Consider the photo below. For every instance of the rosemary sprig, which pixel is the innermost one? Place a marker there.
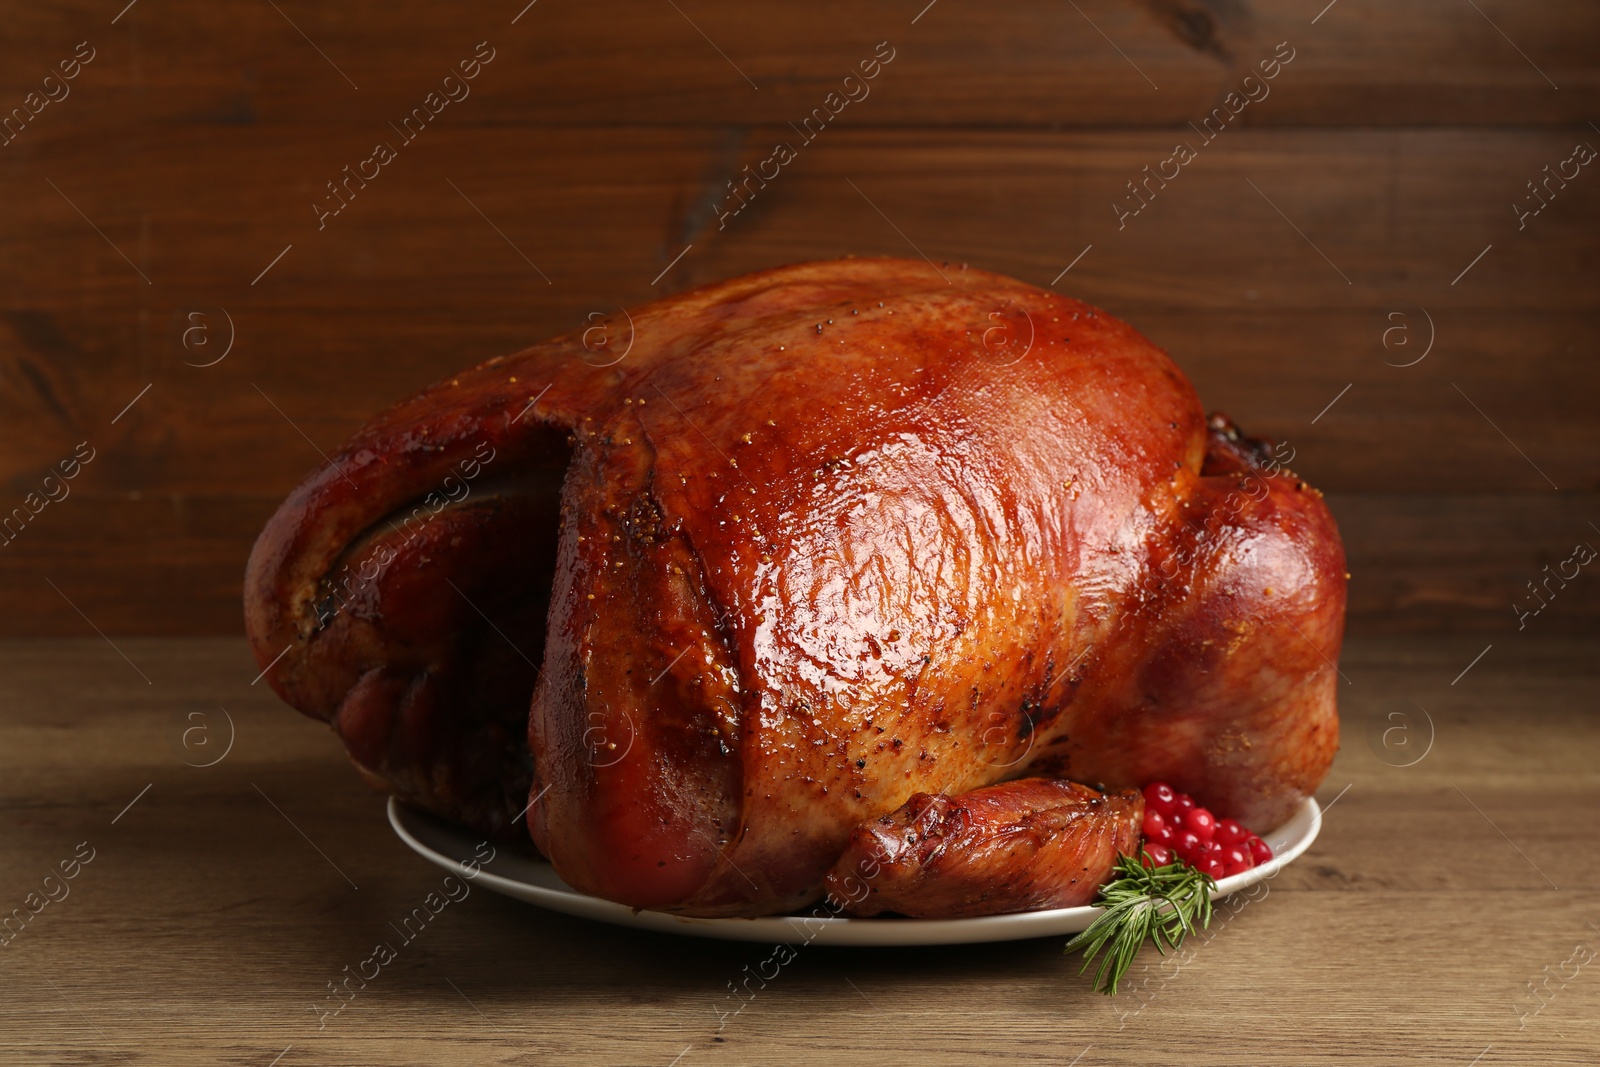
(1163, 904)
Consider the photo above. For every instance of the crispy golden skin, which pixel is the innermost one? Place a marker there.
(790, 549)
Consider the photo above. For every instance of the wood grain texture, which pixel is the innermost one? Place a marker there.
(1099, 62)
(208, 924)
(486, 222)
(390, 297)
(598, 145)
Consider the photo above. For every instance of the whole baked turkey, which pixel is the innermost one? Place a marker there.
(705, 587)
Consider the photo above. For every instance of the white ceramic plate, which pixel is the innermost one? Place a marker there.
(535, 881)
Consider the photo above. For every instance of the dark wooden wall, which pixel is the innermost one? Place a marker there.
(188, 152)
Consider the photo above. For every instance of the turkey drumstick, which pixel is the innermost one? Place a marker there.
(1019, 846)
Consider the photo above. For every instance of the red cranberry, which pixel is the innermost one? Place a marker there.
(1259, 851)
(1156, 855)
(1154, 823)
(1212, 866)
(1159, 795)
(1184, 803)
(1187, 846)
(1202, 822)
(1236, 859)
(1165, 836)
(1231, 833)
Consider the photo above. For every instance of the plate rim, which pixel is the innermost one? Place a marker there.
(826, 930)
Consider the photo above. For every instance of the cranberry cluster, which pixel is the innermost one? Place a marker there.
(1175, 825)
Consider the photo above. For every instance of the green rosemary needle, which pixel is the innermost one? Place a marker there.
(1163, 904)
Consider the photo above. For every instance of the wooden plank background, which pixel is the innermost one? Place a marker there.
(1345, 204)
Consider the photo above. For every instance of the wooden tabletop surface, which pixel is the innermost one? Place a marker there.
(217, 903)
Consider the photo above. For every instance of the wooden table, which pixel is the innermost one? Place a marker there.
(220, 901)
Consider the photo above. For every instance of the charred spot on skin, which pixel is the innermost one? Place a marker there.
(326, 610)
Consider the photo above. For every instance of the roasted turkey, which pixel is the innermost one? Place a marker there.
(701, 591)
